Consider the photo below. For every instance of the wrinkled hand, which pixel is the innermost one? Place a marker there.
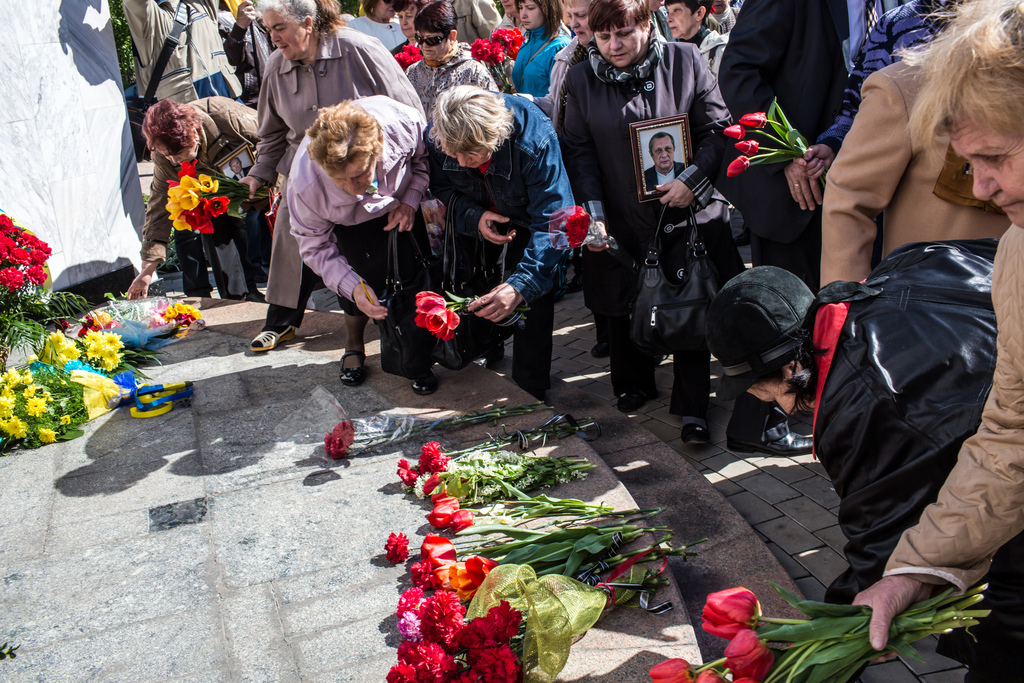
(370, 308)
(402, 217)
(487, 231)
(246, 14)
(140, 285)
(498, 303)
(888, 598)
(805, 190)
(817, 160)
(253, 185)
(678, 195)
(602, 245)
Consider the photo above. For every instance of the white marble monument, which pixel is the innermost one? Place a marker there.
(67, 168)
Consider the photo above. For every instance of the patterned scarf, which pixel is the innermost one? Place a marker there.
(633, 75)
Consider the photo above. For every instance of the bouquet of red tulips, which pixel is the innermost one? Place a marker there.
(440, 316)
(830, 645)
(775, 128)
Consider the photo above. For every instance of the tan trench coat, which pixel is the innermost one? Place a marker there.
(226, 124)
(348, 65)
(981, 505)
(200, 51)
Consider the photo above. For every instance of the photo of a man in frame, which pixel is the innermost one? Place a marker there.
(662, 147)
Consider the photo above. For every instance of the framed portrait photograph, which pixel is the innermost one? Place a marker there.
(236, 164)
(661, 150)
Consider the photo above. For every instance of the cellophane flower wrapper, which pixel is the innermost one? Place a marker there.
(140, 323)
(571, 228)
(434, 214)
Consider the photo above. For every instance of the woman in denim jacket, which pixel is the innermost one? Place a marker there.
(495, 162)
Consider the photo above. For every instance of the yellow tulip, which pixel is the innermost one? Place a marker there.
(189, 200)
(208, 184)
(189, 184)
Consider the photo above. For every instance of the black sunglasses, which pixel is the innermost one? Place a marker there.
(429, 41)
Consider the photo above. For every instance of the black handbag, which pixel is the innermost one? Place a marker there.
(404, 346)
(466, 274)
(669, 317)
(137, 106)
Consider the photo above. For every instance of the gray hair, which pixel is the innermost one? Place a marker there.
(325, 13)
(468, 118)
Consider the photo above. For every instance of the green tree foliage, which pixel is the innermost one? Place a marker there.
(123, 43)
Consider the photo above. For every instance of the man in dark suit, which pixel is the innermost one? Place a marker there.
(792, 51)
(662, 147)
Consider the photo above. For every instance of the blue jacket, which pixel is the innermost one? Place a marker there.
(526, 182)
(531, 74)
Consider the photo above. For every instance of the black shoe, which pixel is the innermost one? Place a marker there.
(631, 400)
(495, 355)
(601, 350)
(694, 433)
(427, 384)
(353, 377)
(790, 444)
(255, 296)
(742, 239)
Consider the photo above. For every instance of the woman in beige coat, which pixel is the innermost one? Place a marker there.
(974, 92)
(318, 63)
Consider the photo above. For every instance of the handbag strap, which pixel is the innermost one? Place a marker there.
(393, 280)
(696, 240)
(171, 43)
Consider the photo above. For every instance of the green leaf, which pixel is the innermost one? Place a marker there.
(817, 629)
(786, 595)
(841, 669)
(70, 434)
(815, 609)
(900, 646)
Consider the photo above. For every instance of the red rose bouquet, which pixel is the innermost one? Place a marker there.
(497, 52)
(830, 645)
(409, 55)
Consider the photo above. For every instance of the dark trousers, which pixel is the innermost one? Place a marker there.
(257, 233)
(195, 278)
(601, 328)
(632, 370)
(280, 317)
(532, 344)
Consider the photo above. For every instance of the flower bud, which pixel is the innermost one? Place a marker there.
(748, 147)
(748, 656)
(755, 120)
(739, 165)
(735, 131)
(728, 612)
(672, 671)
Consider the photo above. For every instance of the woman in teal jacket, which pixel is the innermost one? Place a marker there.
(545, 35)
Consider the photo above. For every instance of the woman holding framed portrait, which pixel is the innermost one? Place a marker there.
(628, 102)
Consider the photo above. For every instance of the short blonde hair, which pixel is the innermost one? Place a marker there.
(467, 118)
(973, 71)
(345, 134)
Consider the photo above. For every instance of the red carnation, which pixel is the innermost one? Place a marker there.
(427, 662)
(6, 224)
(755, 120)
(40, 255)
(12, 279)
(423, 576)
(442, 618)
(739, 165)
(18, 257)
(397, 548)
(432, 458)
(36, 275)
(577, 227)
(495, 664)
(736, 131)
(410, 601)
(409, 55)
(337, 442)
(506, 620)
(406, 473)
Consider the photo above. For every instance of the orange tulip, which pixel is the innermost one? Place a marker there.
(466, 577)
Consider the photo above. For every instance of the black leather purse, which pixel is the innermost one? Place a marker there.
(669, 317)
(404, 346)
(467, 274)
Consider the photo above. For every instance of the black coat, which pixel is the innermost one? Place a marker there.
(597, 152)
(791, 50)
(910, 375)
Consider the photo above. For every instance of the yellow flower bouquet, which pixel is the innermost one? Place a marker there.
(39, 406)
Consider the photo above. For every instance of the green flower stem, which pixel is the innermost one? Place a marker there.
(711, 665)
(776, 620)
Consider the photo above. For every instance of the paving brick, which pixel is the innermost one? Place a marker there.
(785, 470)
(661, 430)
(833, 536)
(753, 509)
(806, 512)
(811, 588)
(951, 676)
(792, 567)
(890, 672)
(789, 535)
(824, 563)
(729, 466)
(724, 486)
(819, 490)
(933, 661)
(817, 468)
(769, 488)
(699, 451)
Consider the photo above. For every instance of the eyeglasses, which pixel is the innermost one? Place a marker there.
(429, 41)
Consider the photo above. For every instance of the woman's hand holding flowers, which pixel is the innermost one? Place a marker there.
(401, 217)
(603, 244)
(498, 303)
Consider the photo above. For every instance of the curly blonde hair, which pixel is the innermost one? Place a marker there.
(467, 118)
(973, 71)
(345, 134)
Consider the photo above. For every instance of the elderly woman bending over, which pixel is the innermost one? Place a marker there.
(361, 172)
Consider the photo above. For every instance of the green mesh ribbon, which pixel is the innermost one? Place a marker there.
(556, 609)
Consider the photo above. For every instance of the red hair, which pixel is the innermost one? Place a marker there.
(171, 125)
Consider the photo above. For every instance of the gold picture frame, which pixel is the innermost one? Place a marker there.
(652, 137)
(243, 158)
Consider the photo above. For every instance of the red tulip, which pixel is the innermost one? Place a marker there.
(444, 508)
(747, 655)
(755, 120)
(432, 483)
(712, 676)
(739, 165)
(728, 612)
(461, 519)
(735, 131)
(748, 147)
(437, 550)
(672, 671)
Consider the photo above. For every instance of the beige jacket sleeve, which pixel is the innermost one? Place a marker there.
(863, 179)
(981, 505)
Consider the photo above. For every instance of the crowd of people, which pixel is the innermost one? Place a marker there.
(912, 111)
